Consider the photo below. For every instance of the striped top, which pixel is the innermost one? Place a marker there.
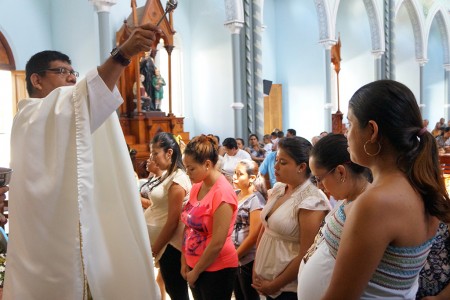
(399, 267)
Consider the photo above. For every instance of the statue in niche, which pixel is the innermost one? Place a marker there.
(146, 101)
(158, 83)
(147, 68)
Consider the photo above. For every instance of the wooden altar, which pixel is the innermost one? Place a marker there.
(140, 126)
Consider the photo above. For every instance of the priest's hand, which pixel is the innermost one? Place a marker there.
(140, 40)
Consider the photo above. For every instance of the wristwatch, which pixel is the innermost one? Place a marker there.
(118, 56)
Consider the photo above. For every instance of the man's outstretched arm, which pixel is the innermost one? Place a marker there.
(140, 40)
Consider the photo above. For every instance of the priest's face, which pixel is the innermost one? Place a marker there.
(58, 74)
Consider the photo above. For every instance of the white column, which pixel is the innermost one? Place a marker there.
(378, 62)
(235, 29)
(422, 102)
(327, 103)
(103, 8)
(447, 91)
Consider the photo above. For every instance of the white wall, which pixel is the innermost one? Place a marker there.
(26, 27)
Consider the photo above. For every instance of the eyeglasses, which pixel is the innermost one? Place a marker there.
(318, 179)
(61, 71)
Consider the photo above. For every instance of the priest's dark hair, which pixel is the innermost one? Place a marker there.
(40, 62)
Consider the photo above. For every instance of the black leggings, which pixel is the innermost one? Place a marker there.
(285, 296)
(216, 285)
(170, 267)
(242, 286)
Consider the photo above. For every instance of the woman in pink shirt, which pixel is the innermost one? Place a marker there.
(209, 261)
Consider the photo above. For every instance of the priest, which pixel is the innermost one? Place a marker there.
(76, 227)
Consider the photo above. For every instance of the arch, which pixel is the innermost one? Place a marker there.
(327, 22)
(6, 57)
(323, 16)
(417, 22)
(376, 26)
(234, 11)
(438, 12)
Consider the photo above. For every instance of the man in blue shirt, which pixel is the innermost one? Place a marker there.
(267, 169)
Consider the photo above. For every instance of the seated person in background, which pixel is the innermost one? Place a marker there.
(443, 140)
(437, 130)
(274, 139)
(240, 142)
(257, 152)
(221, 151)
(267, 169)
(315, 139)
(267, 143)
(291, 132)
(233, 155)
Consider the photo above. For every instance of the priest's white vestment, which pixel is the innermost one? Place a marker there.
(75, 215)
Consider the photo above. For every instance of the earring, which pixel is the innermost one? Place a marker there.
(372, 154)
(342, 179)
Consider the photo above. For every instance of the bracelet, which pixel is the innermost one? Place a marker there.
(117, 55)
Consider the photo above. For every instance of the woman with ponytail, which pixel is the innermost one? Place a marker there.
(163, 217)
(388, 232)
(209, 261)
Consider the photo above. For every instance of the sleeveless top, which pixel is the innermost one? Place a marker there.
(280, 239)
(396, 277)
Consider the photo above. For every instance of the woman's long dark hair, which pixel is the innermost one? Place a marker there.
(167, 141)
(393, 107)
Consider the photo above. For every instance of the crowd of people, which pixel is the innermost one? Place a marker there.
(220, 219)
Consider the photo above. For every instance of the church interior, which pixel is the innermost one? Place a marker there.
(233, 68)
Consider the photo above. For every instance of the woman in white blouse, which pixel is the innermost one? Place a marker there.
(291, 219)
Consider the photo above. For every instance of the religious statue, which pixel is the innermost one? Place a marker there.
(147, 104)
(147, 68)
(158, 83)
